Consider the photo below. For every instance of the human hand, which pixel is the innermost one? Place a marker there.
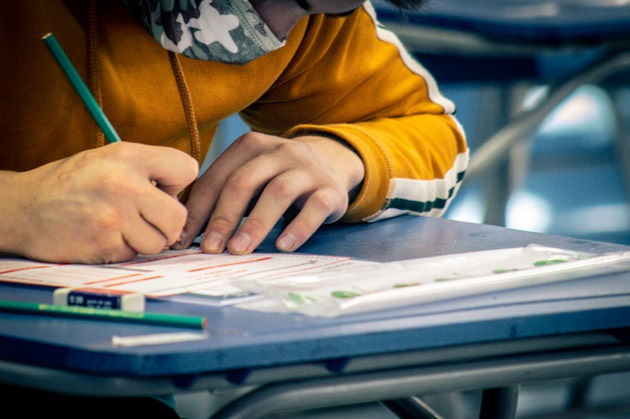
(99, 206)
(315, 175)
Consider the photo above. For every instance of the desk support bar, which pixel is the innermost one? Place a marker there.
(388, 385)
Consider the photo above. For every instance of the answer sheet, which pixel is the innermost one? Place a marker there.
(174, 272)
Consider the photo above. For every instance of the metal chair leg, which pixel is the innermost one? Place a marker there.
(411, 408)
(499, 403)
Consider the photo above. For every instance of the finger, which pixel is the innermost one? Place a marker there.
(143, 237)
(240, 189)
(136, 232)
(277, 197)
(232, 203)
(324, 206)
(200, 204)
(171, 170)
(205, 192)
(164, 213)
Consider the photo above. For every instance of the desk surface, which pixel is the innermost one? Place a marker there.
(240, 341)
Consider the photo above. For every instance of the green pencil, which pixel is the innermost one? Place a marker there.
(160, 319)
(76, 81)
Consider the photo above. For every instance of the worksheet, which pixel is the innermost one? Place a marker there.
(174, 272)
(315, 284)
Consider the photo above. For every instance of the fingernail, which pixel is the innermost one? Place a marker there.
(180, 243)
(213, 242)
(240, 242)
(286, 242)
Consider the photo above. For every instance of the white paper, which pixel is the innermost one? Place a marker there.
(173, 271)
(319, 285)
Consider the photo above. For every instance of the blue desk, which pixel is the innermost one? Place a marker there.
(572, 329)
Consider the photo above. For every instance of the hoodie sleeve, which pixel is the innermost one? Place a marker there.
(352, 79)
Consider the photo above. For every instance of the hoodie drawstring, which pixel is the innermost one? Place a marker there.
(94, 83)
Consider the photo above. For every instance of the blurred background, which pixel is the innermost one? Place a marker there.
(568, 178)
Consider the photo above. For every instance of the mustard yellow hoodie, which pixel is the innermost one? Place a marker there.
(344, 76)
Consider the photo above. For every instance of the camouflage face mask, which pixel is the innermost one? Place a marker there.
(211, 30)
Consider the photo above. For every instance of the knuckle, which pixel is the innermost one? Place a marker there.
(118, 183)
(241, 181)
(296, 152)
(221, 224)
(324, 203)
(123, 149)
(252, 140)
(205, 185)
(108, 219)
(304, 227)
(302, 231)
(116, 151)
(283, 189)
(254, 226)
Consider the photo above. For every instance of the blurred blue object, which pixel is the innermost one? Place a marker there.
(542, 88)
(551, 22)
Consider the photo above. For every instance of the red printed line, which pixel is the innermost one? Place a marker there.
(26, 268)
(140, 262)
(116, 278)
(230, 264)
(133, 282)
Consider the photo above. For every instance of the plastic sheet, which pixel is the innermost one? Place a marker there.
(414, 281)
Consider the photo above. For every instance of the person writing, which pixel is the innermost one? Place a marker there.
(346, 126)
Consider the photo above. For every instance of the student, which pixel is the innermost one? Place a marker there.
(346, 127)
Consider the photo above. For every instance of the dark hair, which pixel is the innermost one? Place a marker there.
(407, 4)
(402, 5)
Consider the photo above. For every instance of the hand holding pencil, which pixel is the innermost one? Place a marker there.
(100, 205)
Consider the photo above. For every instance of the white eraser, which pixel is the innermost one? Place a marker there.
(99, 298)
